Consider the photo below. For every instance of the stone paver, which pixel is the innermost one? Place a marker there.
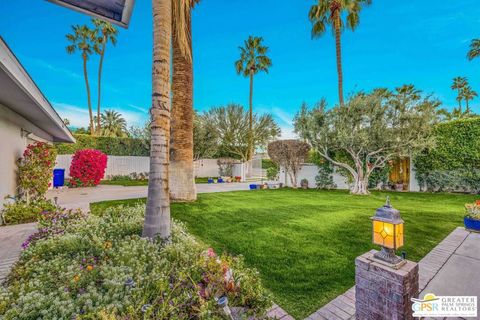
(11, 239)
(446, 270)
(80, 198)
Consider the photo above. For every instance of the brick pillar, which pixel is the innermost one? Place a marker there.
(382, 292)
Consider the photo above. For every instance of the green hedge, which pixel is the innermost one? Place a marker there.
(108, 145)
(454, 163)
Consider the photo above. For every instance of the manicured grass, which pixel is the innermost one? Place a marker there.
(304, 242)
(130, 183)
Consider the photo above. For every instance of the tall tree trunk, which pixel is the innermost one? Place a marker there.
(182, 187)
(250, 120)
(360, 185)
(467, 108)
(85, 74)
(157, 212)
(100, 67)
(338, 47)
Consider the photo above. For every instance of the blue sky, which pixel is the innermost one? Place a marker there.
(423, 42)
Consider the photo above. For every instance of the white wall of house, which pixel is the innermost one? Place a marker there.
(414, 185)
(310, 171)
(125, 165)
(15, 134)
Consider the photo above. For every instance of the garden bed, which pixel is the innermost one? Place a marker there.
(98, 267)
(304, 242)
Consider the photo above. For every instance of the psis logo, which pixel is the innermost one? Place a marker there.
(445, 306)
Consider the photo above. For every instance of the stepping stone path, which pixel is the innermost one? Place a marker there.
(11, 239)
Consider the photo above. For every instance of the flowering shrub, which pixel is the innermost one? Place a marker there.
(22, 211)
(472, 210)
(35, 169)
(87, 168)
(103, 269)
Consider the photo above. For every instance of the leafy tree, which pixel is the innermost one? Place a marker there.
(182, 184)
(368, 131)
(83, 39)
(474, 51)
(253, 59)
(231, 124)
(113, 124)
(330, 12)
(205, 140)
(289, 154)
(458, 84)
(106, 33)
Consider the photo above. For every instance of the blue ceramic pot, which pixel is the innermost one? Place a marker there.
(472, 224)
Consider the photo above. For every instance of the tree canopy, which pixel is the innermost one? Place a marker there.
(369, 130)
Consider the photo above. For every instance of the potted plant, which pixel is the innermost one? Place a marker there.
(472, 216)
(304, 184)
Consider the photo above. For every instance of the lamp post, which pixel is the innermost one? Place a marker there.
(388, 233)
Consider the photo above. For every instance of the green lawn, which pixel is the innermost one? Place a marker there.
(130, 183)
(304, 242)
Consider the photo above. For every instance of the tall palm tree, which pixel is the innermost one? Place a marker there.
(468, 94)
(474, 51)
(253, 59)
(330, 12)
(113, 124)
(458, 84)
(106, 33)
(83, 39)
(182, 187)
(157, 213)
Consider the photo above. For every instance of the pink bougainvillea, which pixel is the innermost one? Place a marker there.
(87, 168)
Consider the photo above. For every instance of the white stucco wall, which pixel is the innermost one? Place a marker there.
(309, 172)
(13, 142)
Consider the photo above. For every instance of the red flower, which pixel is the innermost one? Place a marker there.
(88, 167)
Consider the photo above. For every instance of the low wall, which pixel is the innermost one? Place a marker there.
(310, 171)
(120, 165)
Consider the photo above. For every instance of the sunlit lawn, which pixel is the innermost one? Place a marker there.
(304, 242)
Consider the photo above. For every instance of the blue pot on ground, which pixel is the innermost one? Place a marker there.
(253, 187)
(220, 180)
(472, 224)
(210, 180)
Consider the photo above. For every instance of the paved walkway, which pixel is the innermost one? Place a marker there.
(451, 268)
(11, 239)
(80, 198)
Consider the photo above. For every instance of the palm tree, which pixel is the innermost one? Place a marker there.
(468, 94)
(474, 51)
(330, 12)
(182, 187)
(458, 84)
(157, 213)
(253, 59)
(83, 40)
(107, 32)
(113, 124)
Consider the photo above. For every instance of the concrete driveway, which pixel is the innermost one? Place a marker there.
(80, 198)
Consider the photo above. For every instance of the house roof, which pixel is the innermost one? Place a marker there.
(19, 93)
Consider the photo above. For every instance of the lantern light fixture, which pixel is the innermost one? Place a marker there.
(388, 233)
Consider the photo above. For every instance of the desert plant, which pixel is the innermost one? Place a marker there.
(289, 154)
(22, 211)
(87, 168)
(472, 210)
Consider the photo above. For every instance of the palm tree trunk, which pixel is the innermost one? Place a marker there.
(182, 187)
(467, 108)
(100, 67)
(85, 74)
(338, 47)
(157, 212)
(250, 120)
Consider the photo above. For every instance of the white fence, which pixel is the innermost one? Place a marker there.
(119, 165)
(309, 172)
